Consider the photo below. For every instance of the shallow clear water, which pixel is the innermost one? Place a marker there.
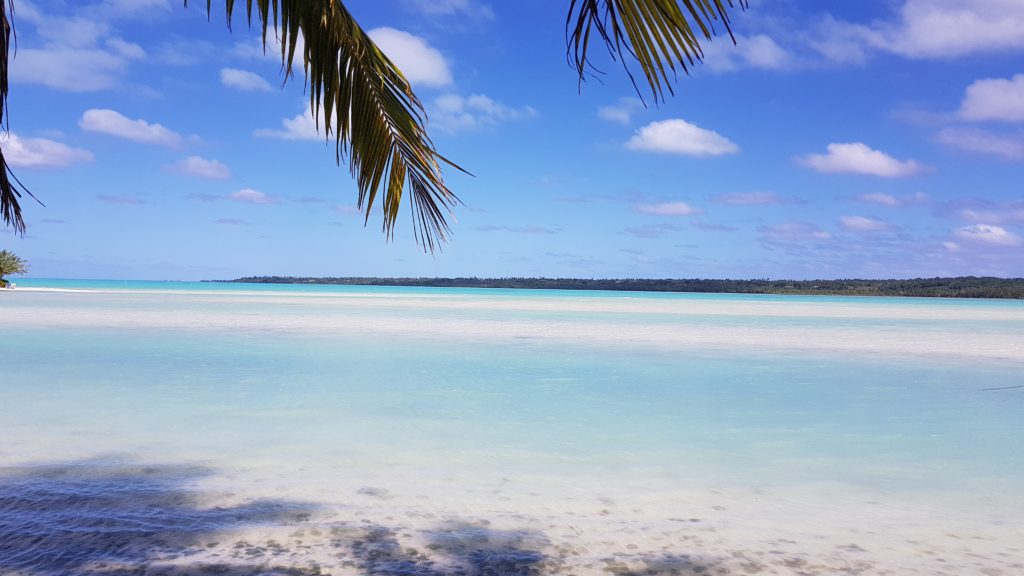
(507, 432)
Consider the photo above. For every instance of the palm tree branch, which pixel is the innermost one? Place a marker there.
(367, 103)
(10, 189)
(659, 35)
(377, 121)
(368, 106)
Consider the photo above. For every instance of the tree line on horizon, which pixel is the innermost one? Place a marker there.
(958, 287)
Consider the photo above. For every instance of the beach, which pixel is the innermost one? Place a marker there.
(231, 430)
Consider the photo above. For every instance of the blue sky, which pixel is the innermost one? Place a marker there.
(843, 139)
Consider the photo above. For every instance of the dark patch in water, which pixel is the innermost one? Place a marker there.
(371, 491)
(114, 519)
(489, 552)
(454, 549)
(70, 519)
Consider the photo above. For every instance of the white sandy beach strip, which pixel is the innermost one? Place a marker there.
(980, 332)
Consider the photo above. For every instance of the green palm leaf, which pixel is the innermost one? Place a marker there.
(11, 188)
(365, 101)
(367, 104)
(658, 34)
(377, 122)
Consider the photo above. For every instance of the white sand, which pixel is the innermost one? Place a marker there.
(681, 324)
(404, 521)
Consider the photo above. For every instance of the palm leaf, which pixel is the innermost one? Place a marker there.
(660, 35)
(10, 188)
(376, 120)
(369, 108)
(367, 104)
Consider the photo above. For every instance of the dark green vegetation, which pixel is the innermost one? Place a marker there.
(10, 264)
(961, 287)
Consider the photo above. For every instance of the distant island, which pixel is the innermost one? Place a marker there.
(959, 287)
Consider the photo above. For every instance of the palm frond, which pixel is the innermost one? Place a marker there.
(660, 35)
(376, 120)
(10, 209)
(369, 108)
(11, 190)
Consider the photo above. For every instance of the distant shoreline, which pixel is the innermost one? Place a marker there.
(957, 287)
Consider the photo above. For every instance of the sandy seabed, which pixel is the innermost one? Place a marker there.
(113, 517)
(371, 314)
(138, 519)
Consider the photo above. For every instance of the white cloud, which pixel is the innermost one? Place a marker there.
(653, 231)
(40, 152)
(255, 50)
(128, 50)
(300, 127)
(793, 232)
(202, 168)
(677, 136)
(841, 42)
(1010, 213)
(75, 32)
(982, 142)
(747, 198)
(880, 198)
(944, 28)
(68, 69)
(621, 112)
(987, 234)
(927, 29)
(420, 63)
(131, 8)
(994, 99)
(116, 124)
(243, 80)
(892, 201)
(714, 227)
(759, 51)
(862, 224)
(454, 113)
(669, 209)
(250, 196)
(858, 158)
(470, 8)
(77, 53)
(186, 52)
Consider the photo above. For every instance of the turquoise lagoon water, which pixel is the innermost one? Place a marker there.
(184, 427)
